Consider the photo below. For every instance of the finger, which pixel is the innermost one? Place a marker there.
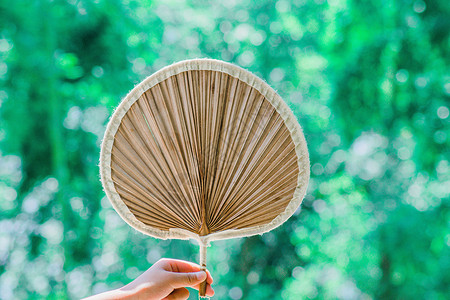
(178, 294)
(209, 279)
(178, 280)
(176, 265)
(181, 266)
(209, 289)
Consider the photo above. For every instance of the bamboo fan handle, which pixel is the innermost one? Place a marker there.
(202, 289)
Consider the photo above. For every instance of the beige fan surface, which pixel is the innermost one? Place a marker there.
(206, 150)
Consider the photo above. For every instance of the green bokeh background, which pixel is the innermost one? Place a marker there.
(369, 81)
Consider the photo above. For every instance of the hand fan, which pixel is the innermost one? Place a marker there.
(204, 149)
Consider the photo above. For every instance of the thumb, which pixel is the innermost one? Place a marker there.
(186, 279)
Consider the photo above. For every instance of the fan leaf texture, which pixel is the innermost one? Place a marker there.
(205, 152)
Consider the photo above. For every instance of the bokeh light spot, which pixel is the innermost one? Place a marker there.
(443, 112)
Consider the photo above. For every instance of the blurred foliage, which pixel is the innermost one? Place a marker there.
(368, 80)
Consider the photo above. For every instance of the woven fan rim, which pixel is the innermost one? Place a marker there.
(235, 71)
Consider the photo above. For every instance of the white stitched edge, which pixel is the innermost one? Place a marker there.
(243, 75)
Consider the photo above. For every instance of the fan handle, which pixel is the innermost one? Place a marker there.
(202, 289)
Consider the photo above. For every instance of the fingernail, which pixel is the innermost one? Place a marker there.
(200, 275)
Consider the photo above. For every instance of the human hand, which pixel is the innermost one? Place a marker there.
(166, 280)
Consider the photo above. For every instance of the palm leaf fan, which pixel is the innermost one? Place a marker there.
(203, 149)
